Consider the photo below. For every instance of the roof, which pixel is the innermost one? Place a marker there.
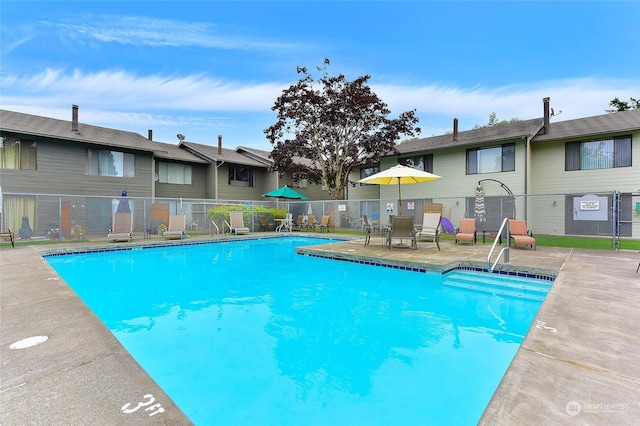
(210, 153)
(174, 152)
(257, 154)
(35, 125)
(616, 122)
(484, 135)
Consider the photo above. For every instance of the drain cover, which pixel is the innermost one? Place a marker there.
(28, 342)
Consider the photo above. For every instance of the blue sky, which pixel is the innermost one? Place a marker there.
(204, 68)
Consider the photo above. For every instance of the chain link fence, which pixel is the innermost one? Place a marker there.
(613, 214)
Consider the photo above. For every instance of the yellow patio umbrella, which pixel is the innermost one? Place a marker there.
(399, 175)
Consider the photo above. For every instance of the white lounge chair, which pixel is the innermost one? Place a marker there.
(237, 223)
(430, 230)
(121, 230)
(177, 227)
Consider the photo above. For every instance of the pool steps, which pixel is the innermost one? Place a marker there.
(498, 284)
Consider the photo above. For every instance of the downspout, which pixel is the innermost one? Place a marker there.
(216, 177)
(527, 147)
(217, 186)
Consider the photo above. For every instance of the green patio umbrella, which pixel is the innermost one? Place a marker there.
(285, 192)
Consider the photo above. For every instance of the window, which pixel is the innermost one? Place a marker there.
(300, 183)
(18, 154)
(240, 176)
(368, 171)
(174, 173)
(421, 162)
(101, 162)
(491, 160)
(598, 154)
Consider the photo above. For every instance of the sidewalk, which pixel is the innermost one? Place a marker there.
(579, 363)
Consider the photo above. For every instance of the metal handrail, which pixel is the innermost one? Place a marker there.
(505, 250)
(214, 226)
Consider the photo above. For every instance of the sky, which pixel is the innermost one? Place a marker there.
(209, 68)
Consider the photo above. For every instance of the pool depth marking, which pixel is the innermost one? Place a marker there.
(151, 399)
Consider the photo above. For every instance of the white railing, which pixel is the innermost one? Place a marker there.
(505, 250)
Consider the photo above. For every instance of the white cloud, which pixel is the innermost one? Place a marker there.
(141, 30)
(122, 90)
(201, 105)
(576, 98)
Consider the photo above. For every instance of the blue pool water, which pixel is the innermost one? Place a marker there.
(248, 332)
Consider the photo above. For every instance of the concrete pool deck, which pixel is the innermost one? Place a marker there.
(578, 364)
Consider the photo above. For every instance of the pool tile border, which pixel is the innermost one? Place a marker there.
(539, 274)
(173, 243)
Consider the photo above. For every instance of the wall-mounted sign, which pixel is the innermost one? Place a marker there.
(590, 207)
(342, 207)
(589, 204)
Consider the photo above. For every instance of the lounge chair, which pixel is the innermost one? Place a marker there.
(299, 223)
(325, 224)
(177, 227)
(430, 230)
(311, 222)
(237, 223)
(121, 230)
(467, 230)
(520, 234)
(402, 227)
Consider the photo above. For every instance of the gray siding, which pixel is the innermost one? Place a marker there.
(61, 170)
(197, 189)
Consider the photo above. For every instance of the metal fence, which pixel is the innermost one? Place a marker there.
(613, 214)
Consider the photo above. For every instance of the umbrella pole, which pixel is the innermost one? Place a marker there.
(399, 199)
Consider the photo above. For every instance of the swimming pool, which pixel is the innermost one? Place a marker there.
(248, 332)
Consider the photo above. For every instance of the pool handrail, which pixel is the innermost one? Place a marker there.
(505, 250)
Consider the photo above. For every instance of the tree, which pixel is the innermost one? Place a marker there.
(493, 121)
(622, 105)
(329, 128)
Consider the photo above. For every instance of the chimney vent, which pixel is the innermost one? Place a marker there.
(455, 129)
(150, 134)
(545, 103)
(74, 118)
(219, 144)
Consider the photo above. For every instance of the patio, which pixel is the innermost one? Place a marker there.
(579, 361)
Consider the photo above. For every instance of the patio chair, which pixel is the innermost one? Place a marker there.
(520, 234)
(121, 230)
(177, 227)
(8, 235)
(402, 227)
(325, 224)
(237, 223)
(264, 224)
(367, 227)
(467, 230)
(430, 230)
